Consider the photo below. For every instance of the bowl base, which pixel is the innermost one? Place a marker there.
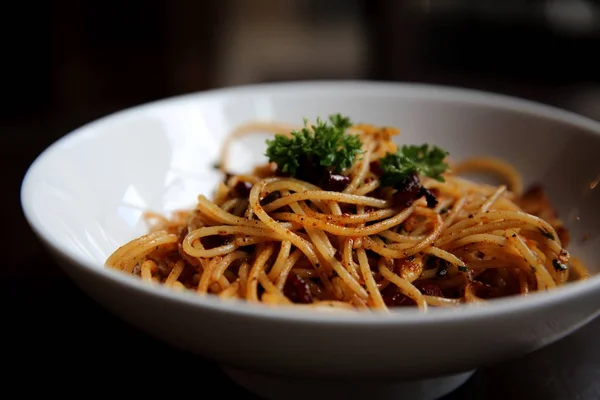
(277, 387)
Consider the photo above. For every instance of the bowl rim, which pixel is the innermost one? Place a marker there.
(457, 314)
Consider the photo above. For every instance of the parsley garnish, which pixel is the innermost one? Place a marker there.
(326, 144)
(463, 269)
(413, 160)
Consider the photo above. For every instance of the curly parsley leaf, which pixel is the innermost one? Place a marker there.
(325, 144)
(413, 160)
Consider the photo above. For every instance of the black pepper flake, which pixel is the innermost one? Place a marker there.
(443, 269)
(408, 190)
(333, 182)
(547, 234)
(269, 197)
(242, 189)
(558, 265)
(432, 201)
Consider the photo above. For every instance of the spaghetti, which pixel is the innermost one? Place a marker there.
(274, 239)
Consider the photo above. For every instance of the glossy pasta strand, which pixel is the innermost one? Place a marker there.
(281, 241)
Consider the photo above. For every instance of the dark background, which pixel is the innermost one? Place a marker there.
(65, 63)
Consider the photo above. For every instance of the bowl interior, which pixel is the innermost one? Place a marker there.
(87, 193)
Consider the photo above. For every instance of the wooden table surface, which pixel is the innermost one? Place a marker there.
(57, 341)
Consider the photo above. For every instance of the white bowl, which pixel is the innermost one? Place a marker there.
(85, 194)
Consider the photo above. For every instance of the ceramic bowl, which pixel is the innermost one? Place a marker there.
(84, 196)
